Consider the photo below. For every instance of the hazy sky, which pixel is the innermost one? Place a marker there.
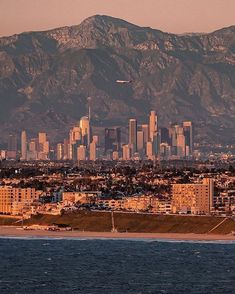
(177, 16)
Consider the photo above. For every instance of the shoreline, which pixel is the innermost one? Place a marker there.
(9, 231)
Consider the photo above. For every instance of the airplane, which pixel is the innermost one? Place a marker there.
(123, 82)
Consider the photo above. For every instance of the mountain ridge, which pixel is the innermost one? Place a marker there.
(46, 77)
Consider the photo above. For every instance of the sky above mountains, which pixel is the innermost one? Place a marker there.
(176, 16)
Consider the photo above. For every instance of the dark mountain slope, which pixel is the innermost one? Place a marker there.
(45, 78)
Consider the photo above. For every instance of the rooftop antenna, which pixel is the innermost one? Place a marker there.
(89, 107)
(89, 118)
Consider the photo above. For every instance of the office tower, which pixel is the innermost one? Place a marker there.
(43, 146)
(12, 147)
(154, 135)
(93, 151)
(75, 135)
(188, 133)
(85, 130)
(70, 152)
(23, 145)
(145, 129)
(115, 155)
(140, 141)
(43, 143)
(156, 144)
(187, 151)
(52, 154)
(95, 139)
(59, 151)
(33, 149)
(126, 152)
(66, 149)
(74, 148)
(3, 154)
(165, 136)
(193, 198)
(165, 151)
(173, 138)
(112, 139)
(42, 138)
(149, 150)
(153, 125)
(180, 139)
(133, 134)
(177, 140)
(81, 152)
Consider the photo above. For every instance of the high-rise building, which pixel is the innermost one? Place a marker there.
(165, 136)
(3, 154)
(173, 138)
(95, 139)
(93, 151)
(75, 135)
(153, 125)
(85, 130)
(70, 152)
(177, 141)
(43, 146)
(165, 151)
(115, 155)
(180, 142)
(81, 152)
(149, 150)
(23, 145)
(112, 139)
(66, 149)
(33, 145)
(12, 146)
(42, 138)
(59, 151)
(140, 141)
(154, 135)
(188, 133)
(193, 198)
(145, 129)
(126, 152)
(133, 134)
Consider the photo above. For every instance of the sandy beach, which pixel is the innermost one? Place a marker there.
(7, 231)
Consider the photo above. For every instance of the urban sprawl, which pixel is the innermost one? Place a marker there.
(158, 171)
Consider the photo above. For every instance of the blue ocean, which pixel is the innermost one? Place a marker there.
(115, 266)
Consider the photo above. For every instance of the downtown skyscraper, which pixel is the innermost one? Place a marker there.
(133, 134)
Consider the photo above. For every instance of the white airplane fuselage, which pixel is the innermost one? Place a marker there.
(123, 82)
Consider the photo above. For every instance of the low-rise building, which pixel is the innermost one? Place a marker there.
(81, 196)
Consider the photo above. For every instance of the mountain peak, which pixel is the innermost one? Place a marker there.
(105, 20)
(103, 31)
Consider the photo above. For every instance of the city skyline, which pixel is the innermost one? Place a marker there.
(143, 141)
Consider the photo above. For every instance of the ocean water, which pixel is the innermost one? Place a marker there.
(115, 266)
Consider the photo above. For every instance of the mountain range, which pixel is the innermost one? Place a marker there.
(46, 77)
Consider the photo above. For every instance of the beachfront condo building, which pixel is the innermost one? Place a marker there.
(193, 198)
(13, 200)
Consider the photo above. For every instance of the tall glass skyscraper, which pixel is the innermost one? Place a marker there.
(133, 134)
